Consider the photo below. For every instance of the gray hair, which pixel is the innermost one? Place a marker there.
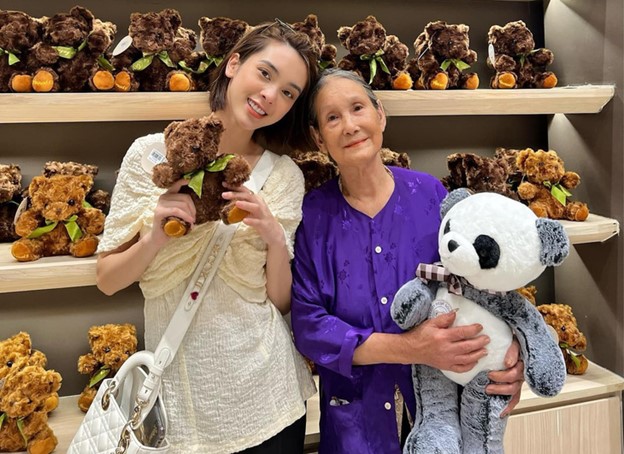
(343, 74)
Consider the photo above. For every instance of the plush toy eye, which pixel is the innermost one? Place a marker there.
(447, 227)
(9, 363)
(71, 202)
(563, 328)
(107, 349)
(195, 149)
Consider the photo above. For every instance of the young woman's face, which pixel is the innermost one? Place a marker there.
(265, 86)
(350, 127)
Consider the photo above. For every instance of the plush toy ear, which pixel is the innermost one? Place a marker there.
(451, 199)
(432, 27)
(343, 33)
(555, 242)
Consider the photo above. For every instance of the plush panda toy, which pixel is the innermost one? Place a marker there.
(489, 246)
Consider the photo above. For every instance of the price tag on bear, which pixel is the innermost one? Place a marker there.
(20, 209)
(155, 154)
(125, 42)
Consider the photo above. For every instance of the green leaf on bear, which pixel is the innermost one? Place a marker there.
(12, 58)
(50, 225)
(558, 194)
(323, 64)
(2, 418)
(20, 428)
(163, 56)
(574, 358)
(65, 52)
(461, 65)
(99, 376)
(196, 180)
(142, 63)
(105, 64)
(220, 163)
(73, 229)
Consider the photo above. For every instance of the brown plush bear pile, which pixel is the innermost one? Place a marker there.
(379, 58)
(150, 63)
(442, 56)
(326, 53)
(70, 55)
(58, 222)
(546, 186)
(111, 345)
(483, 174)
(97, 198)
(28, 392)
(192, 152)
(217, 37)
(512, 53)
(561, 318)
(19, 32)
(10, 197)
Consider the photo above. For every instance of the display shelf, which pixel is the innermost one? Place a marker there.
(91, 107)
(597, 383)
(65, 271)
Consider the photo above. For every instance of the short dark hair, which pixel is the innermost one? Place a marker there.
(292, 130)
(322, 81)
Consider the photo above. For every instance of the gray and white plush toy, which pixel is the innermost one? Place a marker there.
(489, 246)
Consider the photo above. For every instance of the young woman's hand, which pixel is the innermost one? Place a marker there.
(171, 203)
(259, 217)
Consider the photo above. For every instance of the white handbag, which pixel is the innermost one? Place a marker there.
(127, 415)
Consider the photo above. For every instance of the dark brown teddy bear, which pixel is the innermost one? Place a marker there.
(517, 63)
(192, 152)
(58, 222)
(217, 37)
(10, 197)
(150, 62)
(561, 318)
(442, 55)
(70, 56)
(547, 184)
(379, 58)
(19, 32)
(28, 392)
(326, 53)
(111, 345)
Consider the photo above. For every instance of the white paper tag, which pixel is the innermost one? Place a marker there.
(439, 307)
(20, 209)
(122, 45)
(491, 53)
(152, 156)
(553, 333)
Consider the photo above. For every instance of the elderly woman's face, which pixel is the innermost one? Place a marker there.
(350, 127)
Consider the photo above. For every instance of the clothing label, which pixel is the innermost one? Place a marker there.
(491, 53)
(553, 333)
(20, 209)
(439, 307)
(122, 45)
(152, 156)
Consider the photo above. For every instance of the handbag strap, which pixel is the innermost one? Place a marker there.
(198, 286)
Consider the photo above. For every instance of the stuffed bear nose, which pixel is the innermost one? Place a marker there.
(452, 245)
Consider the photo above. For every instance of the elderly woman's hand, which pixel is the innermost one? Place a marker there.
(508, 382)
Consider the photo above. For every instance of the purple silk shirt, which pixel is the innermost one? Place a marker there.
(346, 271)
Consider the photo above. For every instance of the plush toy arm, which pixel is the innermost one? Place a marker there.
(87, 364)
(570, 180)
(427, 61)
(528, 191)
(504, 63)
(27, 222)
(541, 57)
(412, 303)
(163, 175)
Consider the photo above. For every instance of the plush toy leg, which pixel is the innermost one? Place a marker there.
(436, 426)
(179, 81)
(576, 211)
(231, 214)
(45, 80)
(504, 80)
(481, 425)
(86, 398)
(102, 80)
(26, 250)
(547, 80)
(403, 81)
(472, 82)
(21, 83)
(84, 247)
(439, 82)
(124, 81)
(175, 227)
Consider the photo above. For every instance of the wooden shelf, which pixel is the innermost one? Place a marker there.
(596, 383)
(65, 271)
(92, 107)
(595, 229)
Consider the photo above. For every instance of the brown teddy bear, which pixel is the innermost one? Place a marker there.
(28, 392)
(150, 62)
(58, 222)
(561, 318)
(10, 197)
(482, 174)
(97, 198)
(393, 158)
(379, 58)
(111, 345)
(326, 52)
(217, 37)
(442, 55)
(192, 152)
(71, 53)
(512, 53)
(546, 186)
(19, 32)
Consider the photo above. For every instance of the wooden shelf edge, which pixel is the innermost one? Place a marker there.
(595, 229)
(92, 107)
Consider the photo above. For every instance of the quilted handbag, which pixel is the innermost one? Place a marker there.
(127, 415)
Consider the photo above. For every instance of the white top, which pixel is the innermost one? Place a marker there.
(237, 379)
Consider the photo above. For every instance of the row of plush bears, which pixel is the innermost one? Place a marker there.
(74, 51)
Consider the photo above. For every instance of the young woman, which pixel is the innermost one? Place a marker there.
(361, 238)
(236, 383)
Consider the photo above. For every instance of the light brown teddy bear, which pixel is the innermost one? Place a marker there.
(111, 345)
(58, 222)
(192, 146)
(28, 392)
(547, 184)
(561, 318)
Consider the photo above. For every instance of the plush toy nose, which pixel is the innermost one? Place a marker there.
(452, 245)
